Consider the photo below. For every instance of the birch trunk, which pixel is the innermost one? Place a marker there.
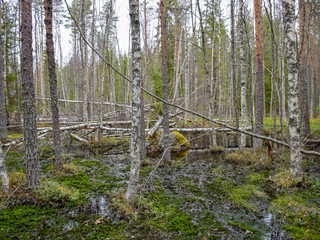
(3, 115)
(135, 100)
(293, 100)
(3, 171)
(53, 85)
(29, 111)
(84, 62)
(243, 74)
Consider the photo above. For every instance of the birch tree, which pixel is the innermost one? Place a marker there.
(84, 64)
(293, 100)
(3, 171)
(3, 116)
(28, 95)
(53, 84)
(135, 102)
(243, 73)
(260, 74)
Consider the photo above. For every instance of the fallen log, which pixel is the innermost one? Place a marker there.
(78, 101)
(205, 129)
(78, 138)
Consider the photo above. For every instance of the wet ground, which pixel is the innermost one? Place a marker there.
(204, 196)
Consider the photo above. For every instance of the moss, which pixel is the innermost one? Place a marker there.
(16, 179)
(15, 135)
(71, 169)
(181, 140)
(80, 181)
(302, 218)
(283, 179)
(52, 192)
(246, 195)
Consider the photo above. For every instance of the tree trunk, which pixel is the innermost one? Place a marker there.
(293, 100)
(305, 113)
(315, 81)
(233, 63)
(219, 68)
(165, 139)
(84, 63)
(29, 111)
(3, 171)
(53, 85)
(243, 73)
(136, 104)
(3, 116)
(260, 74)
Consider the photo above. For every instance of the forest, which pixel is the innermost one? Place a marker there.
(204, 126)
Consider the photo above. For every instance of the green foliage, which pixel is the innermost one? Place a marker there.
(53, 192)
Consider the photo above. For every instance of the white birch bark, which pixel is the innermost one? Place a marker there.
(293, 100)
(3, 172)
(243, 74)
(135, 101)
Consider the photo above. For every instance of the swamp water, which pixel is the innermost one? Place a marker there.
(201, 197)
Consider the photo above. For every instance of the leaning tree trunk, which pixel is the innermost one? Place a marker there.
(293, 100)
(29, 110)
(243, 73)
(260, 74)
(165, 139)
(3, 171)
(53, 85)
(3, 116)
(136, 104)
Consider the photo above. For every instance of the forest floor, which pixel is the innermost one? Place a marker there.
(229, 195)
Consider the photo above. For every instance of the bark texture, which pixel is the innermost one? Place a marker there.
(233, 63)
(3, 171)
(53, 84)
(293, 100)
(28, 95)
(260, 73)
(136, 103)
(305, 112)
(315, 66)
(243, 73)
(3, 116)
(165, 107)
(84, 64)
